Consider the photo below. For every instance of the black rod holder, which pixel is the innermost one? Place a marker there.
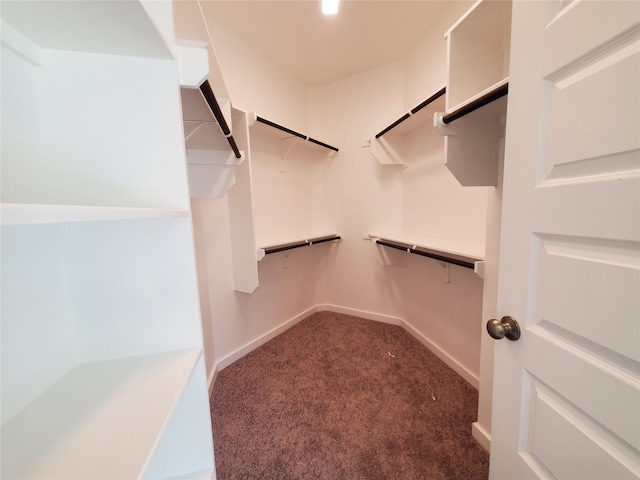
(429, 100)
(210, 98)
(294, 133)
(479, 102)
(414, 110)
(328, 238)
(461, 260)
(285, 246)
(322, 144)
(405, 247)
(280, 127)
(303, 243)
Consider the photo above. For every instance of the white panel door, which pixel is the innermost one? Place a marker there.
(567, 394)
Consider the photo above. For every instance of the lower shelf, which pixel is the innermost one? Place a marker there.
(102, 420)
(25, 214)
(262, 251)
(455, 254)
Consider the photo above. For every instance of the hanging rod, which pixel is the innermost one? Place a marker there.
(294, 133)
(301, 243)
(208, 95)
(479, 102)
(461, 260)
(414, 110)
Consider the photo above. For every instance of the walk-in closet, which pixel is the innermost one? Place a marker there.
(188, 185)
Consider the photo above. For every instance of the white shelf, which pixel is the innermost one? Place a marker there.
(298, 243)
(101, 420)
(212, 152)
(388, 147)
(478, 50)
(116, 28)
(457, 253)
(478, 47)
(471, 100)
(474, 142)
(291, 137)
(26, 214)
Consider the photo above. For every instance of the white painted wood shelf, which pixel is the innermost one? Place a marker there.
(125, 403)
(307, 242)
(212, 152)
(25, 214)
(456, 253)
(292, 137)
(473, 122)
(389, 145)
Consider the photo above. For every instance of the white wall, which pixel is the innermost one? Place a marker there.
(360, 194)
(255, 84)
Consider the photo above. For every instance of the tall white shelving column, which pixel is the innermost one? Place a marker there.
(102, 365)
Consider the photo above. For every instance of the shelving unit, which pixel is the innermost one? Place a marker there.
(102, 368)
(478, 75)
(273, 201)
(212, 152)
(388, 146)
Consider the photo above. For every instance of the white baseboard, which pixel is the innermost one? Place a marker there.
(242, 351)
(442, 355)
(211, 378)
(481, 435)
(377, 317)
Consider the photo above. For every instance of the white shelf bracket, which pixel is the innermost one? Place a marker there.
(478, 268)
(446, 272)
(385, 153)
(441, 127)
(286, 145)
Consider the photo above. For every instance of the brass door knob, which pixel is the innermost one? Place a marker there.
(505, 327)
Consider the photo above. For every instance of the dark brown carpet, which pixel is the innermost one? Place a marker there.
(339, 397)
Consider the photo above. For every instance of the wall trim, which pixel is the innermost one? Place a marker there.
(460, 369)
(211, 378)
(242, 351)
(481, 435)
(377, 317)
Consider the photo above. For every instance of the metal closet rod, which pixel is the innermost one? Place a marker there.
(477, 103)
(461, 260)
(414, 110)
(210, 98)
(302, 243)
(296, 134)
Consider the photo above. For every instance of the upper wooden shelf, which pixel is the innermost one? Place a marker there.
(411, 120)
(95, 27)
(286, 133)
(478, 48)
(28, 214)
(388, 146)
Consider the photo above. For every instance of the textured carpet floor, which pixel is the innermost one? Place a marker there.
(339, 397)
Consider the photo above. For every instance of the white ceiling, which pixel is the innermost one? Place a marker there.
(320, 49)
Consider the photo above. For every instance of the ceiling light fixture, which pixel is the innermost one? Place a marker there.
(330, 7)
